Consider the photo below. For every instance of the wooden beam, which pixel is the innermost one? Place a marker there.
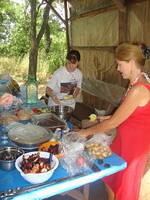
(146, 25)
(128, 2)
(93, 12)
(120, 4)
(57, 14)
(109, 48)
(67, 26)
(122, 26)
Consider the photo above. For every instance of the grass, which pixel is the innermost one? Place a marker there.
(18, 70)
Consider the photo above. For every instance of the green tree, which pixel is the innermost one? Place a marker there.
(13, 33)
(33, 29)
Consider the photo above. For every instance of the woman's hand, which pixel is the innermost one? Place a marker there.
(102, 118)
(79, 135)
(84, 135)
(56, 100)
(6, 99)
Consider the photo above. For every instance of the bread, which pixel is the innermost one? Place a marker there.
(24, 116)
(9, 119)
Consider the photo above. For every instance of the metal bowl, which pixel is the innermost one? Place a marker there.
(8, 156)
(63, 112)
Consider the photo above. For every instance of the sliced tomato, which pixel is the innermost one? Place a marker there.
(36, 110)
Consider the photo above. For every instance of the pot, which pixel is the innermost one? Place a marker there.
(62, 111)
(8, 156)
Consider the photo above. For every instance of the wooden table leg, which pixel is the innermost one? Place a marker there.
(77, 195)
(86, 191)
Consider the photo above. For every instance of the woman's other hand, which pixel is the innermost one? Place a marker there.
(6, 99)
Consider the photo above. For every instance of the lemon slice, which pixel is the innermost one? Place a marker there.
(92, 117)
(68, 97)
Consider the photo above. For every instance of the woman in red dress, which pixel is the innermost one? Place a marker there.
(132, 120)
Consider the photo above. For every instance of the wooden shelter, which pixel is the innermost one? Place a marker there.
(95, 28)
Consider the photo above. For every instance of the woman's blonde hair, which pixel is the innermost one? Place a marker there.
(128, 51)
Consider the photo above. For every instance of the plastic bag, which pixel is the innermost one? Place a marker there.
(75, 160)
(98, 146)
(8, 117)
(101, 138)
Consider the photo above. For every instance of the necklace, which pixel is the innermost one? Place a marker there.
(145, 75)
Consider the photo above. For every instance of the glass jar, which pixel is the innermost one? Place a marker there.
(4, 87)
(31, 90)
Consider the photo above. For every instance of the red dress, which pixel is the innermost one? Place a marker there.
(132, 144)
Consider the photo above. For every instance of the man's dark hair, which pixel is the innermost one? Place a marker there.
(73, 56)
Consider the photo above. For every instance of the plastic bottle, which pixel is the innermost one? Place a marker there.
(31, 90)
(56, 135)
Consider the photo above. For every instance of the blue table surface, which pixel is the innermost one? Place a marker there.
(12, 179)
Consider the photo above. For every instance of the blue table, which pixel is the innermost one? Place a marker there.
(12, 179)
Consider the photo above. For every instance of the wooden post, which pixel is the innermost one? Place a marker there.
(122, 26)
(147, 24)
(120, 4)
(67, 26)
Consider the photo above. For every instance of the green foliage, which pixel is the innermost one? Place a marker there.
(15, 32)
(15, 40)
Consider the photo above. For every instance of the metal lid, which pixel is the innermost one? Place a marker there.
(29, 134)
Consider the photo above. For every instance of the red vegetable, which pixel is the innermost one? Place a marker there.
(80, 161)
(36, 110)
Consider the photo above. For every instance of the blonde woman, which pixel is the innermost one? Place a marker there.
(132, 120)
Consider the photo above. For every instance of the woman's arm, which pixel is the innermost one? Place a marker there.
(76, 92)
(50, 93)
(138, 96)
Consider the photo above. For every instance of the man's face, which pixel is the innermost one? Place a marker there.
(71, 66)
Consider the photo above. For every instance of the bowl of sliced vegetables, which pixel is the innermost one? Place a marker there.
(53, 147)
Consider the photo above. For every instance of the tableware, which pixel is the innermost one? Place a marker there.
(8, 156)
(29, 136)
(48, 120)
(62, 111)
(53, 147)
(22, 190)
(35, 178)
